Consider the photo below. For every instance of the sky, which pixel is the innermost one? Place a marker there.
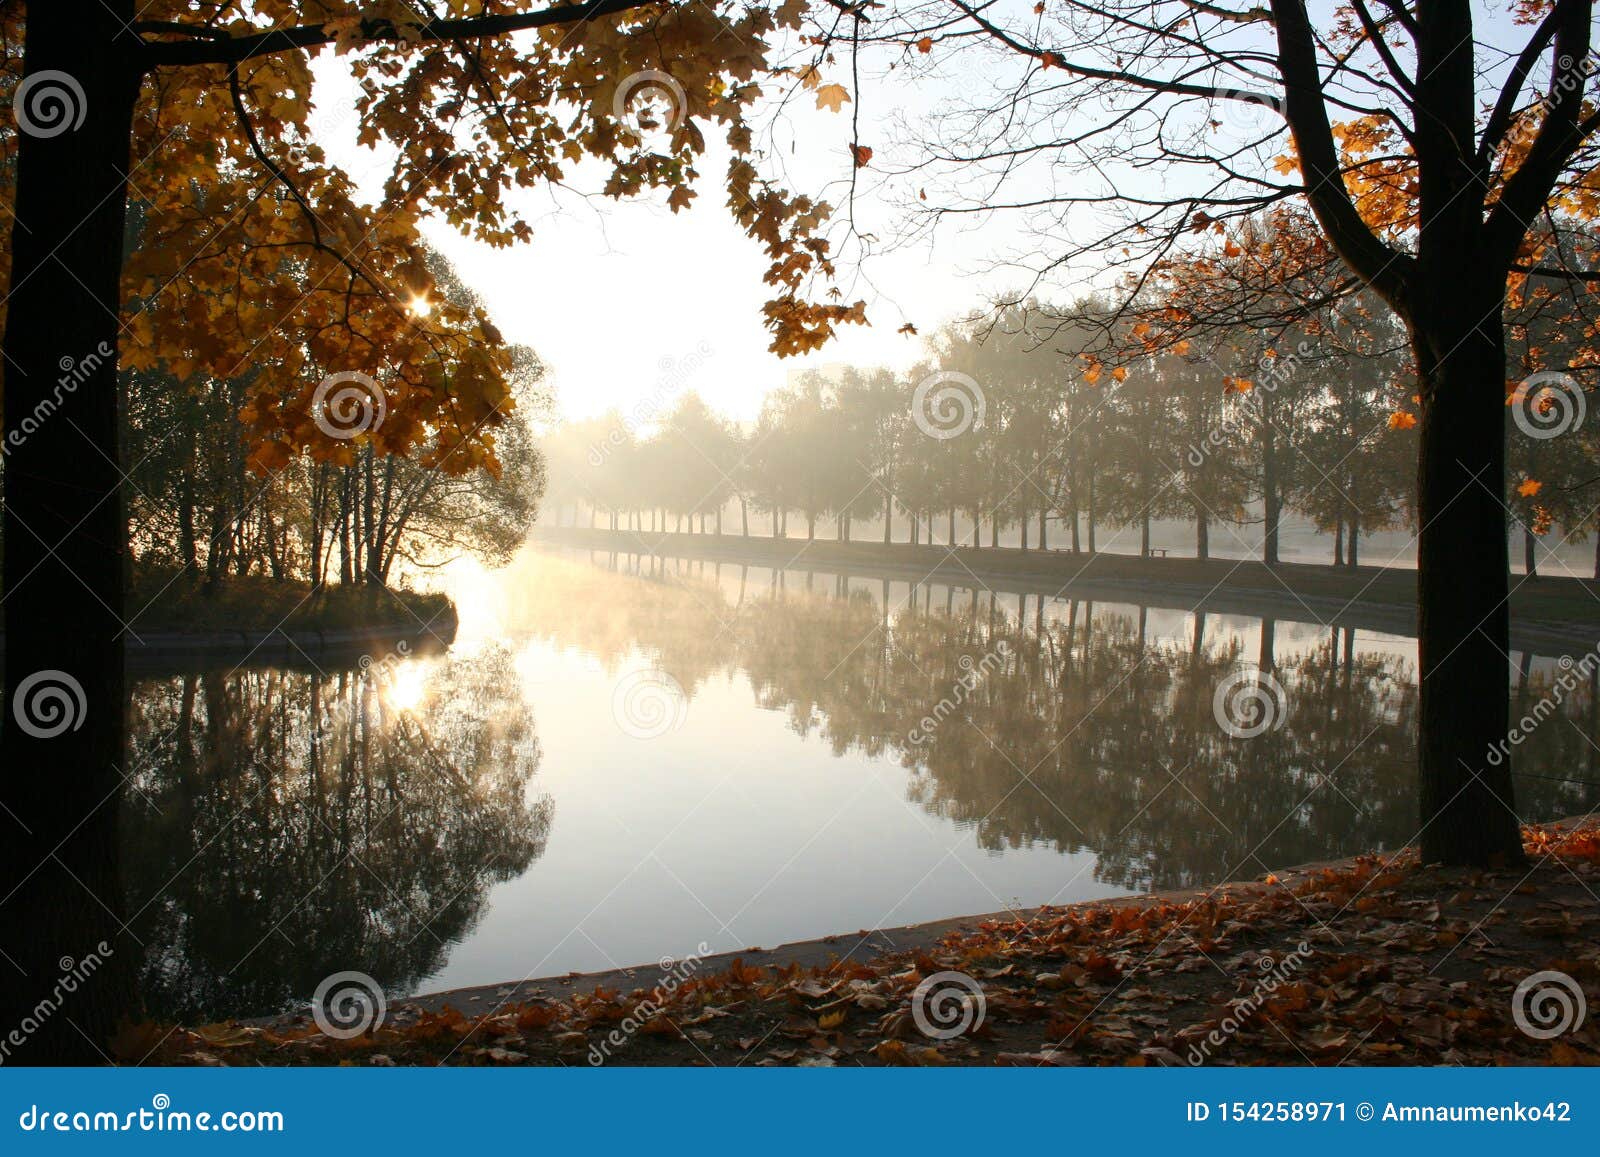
(625, 301)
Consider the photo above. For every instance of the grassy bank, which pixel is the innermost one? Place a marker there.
(160, 602)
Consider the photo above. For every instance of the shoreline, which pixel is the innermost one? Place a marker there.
(169, 650)
(1374, 959)
(842, 947)
(1550, 616)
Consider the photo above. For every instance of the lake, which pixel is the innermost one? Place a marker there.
(622, 758)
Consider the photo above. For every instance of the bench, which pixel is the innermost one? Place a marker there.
(1157, 552)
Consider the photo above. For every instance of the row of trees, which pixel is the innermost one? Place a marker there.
(1020, 426)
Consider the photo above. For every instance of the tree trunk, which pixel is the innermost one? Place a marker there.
(1090, 515)
(1530, 559)
(1044, 543)
(1353, 543)
(1271, 499)
(1338, 542)
(1023, 526)
(1202, 535)
(888, 518)
(1462, 583)
(66, 545)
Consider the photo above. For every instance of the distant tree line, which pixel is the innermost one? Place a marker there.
(1017, 426)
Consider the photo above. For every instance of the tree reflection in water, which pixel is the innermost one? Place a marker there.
(1089, 734)
(281, 825)
(284, 825)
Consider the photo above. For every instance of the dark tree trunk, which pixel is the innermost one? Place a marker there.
(66, 548)
(1530, 558)
(1089, 515)
(1338, 542)
(888, 518)
(1202, 535)
(1044, 543)
(1463, 580)
(1271, 499)
(1352, 554)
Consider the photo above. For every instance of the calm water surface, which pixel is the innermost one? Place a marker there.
(622, 759)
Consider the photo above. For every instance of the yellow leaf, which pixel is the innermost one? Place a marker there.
(832, 1020)
(832, 97)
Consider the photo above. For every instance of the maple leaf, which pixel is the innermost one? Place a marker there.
(1402, 420)
(862, 155)
(832, 97)
(907, 328)
(1528, 488)
(925, 45)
